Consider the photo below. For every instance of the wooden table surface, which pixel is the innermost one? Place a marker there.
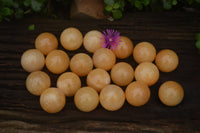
(21, 112)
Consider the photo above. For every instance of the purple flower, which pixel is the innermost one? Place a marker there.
(110, 39)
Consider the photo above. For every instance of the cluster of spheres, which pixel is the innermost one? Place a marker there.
(104, 76)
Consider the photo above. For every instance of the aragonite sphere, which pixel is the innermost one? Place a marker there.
(92, 41)
(71, 39)
(112, 97)
(171, 93)
(32, 60)
(98, 79)
(46, 42)
(147, 72)
(137, 93)
(86, 99)
(57, 61)
(104, 58)
(37, 82)
(81, 64)
(69, 83)
(167, 60)
(144, 52)
(122, 74)
(52, 100)
(124, 49)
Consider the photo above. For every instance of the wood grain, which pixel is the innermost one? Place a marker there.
(21, 112)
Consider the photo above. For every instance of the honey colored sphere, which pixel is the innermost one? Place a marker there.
(71, 39)
(144, 52)
(147, 72)
(122, 74)
(92, 41)
(171, 93)
(32, 60)
(137, 93)
(37, 82)
(52, 100)
(69, 83)
(46, 42)
(104, 58)
(112, 97)
(98, 79)
(167, 60)
(57, 61)
(86, 99)
(81, 64)
(124, 49)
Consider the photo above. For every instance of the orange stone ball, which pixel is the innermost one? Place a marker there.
(137, 93)
(92, 41)
(57, 61)
(171, 93)
(122, 74)
(124, 49)
(144, 52)
(32, 60)
(167, 60)
(86, 99)
(147, 72)
(104, 58)
(112, 97)
(37, 82)
(69, 83)
(71, 38)
(52, 100)
(46, 42)
(81, 64)
(98, 79)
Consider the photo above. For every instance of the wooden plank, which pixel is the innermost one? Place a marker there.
(21, 112)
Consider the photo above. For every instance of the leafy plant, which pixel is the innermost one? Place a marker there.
(198, 41)
(115, 8)
(139, 4)
(10, 9)
(15, 9)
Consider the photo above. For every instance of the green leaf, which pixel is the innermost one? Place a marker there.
(109, 2)
(138, 5)
(174, 2)
(121, 4)
(19, 14)
(198, 1)
(35, 5)
(15, 5)
(198, 44)
(132, 2)
(31, 27)
(116, 6)
(167, 5)
(198, 37)
(6, 11)
(190, 2)
(108, 8)
(199, 51)
(27, 3)
(117, 14)
(43, 1)
(146, 2)
(7, 2)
